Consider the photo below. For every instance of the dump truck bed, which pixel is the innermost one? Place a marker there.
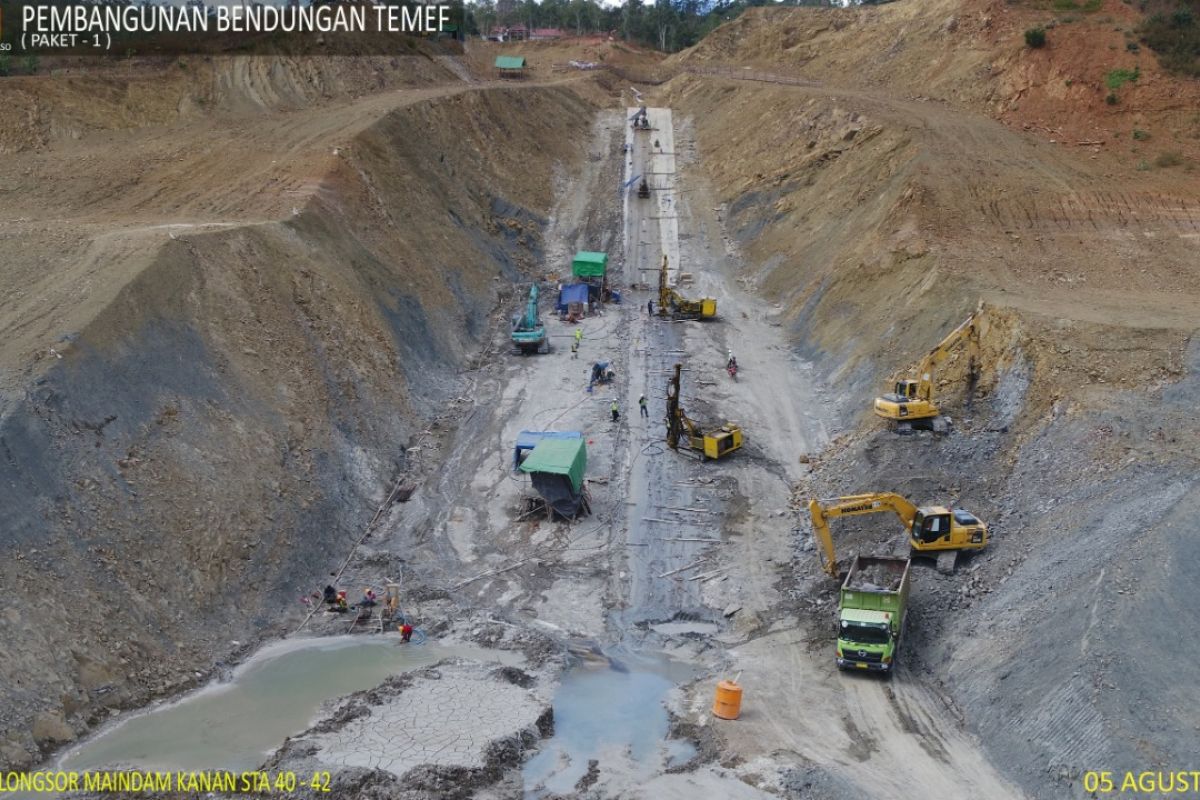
(869, 574)
(876, 583)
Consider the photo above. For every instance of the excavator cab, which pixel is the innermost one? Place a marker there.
(912, 404)
(937, 530)
(929, 527)
(941, 528)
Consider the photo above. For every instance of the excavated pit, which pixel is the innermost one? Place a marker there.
(207, 433)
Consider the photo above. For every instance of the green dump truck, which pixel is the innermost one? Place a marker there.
(871, 613)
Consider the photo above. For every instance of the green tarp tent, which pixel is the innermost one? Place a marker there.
(589, 265)
(567, 457)
(510, 62)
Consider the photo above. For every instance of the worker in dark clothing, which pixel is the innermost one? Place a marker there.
(642, 406)
(650, 308)
(330, 595)
(616, 411)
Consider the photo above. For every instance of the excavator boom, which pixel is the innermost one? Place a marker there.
(528, 333)
(853, 505)
(965, 332)
(912, 401)
(930, 529)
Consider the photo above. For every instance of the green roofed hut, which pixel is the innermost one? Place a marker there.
(592, 268)
(590, 265)
(556, 468)
(510, 66)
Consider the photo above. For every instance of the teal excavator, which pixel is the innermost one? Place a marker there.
(528, 332)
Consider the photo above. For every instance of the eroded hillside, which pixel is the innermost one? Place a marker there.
(879, 217)
(222, 334)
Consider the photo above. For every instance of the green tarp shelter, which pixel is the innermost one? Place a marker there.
(556, 468)
(510, 62)
(566, 457)
(589, 265)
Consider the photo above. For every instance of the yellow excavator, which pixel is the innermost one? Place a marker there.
(709, 444)
(938, 530)
(672, 304)
(911, 404)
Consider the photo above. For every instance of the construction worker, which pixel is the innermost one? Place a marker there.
(650, 308)
(578, 336)
(642, 406)
(616, 410)
(406, 631)
(574, 349)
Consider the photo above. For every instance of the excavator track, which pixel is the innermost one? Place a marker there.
(947, 561)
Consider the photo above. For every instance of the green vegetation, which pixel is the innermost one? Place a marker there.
(1140, 135)
(31, 63)
(668, 25)
(1143, 166)
(1169, 159)
(1175, 38)
(1035, 37)
(1117, 78)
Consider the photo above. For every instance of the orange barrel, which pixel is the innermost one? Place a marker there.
(728, 702)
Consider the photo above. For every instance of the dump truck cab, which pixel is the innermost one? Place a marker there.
(865, 640)
(871, 610)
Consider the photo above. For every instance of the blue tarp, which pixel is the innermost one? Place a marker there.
(574, 293)
(527, 440)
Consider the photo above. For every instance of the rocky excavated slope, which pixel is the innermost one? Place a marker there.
(224, 331)
(879, 218)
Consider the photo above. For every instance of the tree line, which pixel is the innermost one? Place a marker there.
(667, 25)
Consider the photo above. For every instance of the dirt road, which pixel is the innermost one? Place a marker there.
(877, 737)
